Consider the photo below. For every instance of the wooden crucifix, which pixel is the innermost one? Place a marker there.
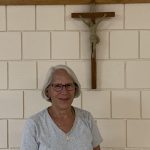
(92, 19)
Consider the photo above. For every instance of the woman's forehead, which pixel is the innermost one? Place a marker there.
(61, 74)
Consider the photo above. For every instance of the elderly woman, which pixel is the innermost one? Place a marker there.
(61, 126)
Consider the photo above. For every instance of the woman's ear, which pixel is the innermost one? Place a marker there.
(76, 90)
(46, 92)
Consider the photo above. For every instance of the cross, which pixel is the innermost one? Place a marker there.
(92, 19)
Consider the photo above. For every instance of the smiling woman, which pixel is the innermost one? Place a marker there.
(61, 126)
(66, 2)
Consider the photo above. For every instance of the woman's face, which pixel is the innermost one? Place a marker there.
(62, 90)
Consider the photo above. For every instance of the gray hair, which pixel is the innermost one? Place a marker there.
(49, 78)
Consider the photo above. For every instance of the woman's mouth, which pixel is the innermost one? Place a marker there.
(64, 99)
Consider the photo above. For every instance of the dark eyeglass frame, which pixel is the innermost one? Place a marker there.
(58, 87)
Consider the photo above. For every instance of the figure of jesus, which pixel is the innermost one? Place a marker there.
(94, 39)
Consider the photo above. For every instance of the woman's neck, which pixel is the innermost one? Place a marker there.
(61, 113)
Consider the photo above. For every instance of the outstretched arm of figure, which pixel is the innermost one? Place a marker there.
(86, 22)
(101, 19)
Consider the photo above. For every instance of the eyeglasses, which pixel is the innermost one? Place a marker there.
(59, 87)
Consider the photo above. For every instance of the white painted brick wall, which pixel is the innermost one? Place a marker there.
(138, 74)
(145, 104)
(110, 74)
(125, 104)
(21, 18)
(36, 45)
(34, 38)
(3, 133)
(65, 45)
(11, 104)
(10, 46)
(113, 132)
(127, 47)
(3, 75)
(22, 75)
(33, 103)
(50, 17)
(99, 106)
(15, 128)
(138, 133)
(136, 16)
(144, 44)
(2, 18)
(82, 70)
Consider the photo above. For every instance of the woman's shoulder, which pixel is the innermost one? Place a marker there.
(36, 123)
(84, 116)
(38, 117)
(83, 113)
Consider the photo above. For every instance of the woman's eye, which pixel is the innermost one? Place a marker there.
(68, 85)
(58, 85)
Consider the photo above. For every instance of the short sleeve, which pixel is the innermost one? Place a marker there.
(97, 138)
(28, 141)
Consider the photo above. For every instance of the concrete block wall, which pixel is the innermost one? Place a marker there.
(33, 38)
